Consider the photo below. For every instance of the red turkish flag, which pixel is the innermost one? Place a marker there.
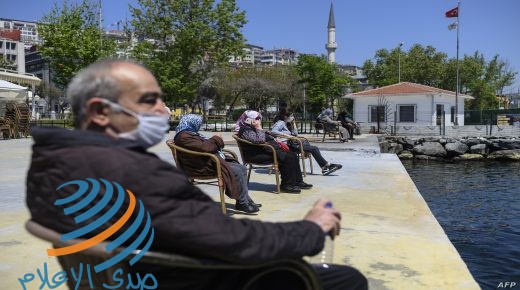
(452, 13)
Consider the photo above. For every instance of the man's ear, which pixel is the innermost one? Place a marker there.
(97, 112)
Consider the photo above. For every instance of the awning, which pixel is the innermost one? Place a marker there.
(26, 79)
(7, 86)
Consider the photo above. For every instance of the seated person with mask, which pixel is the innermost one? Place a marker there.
(250, 128)
(283, 126)
(234, 173)
(118, 115)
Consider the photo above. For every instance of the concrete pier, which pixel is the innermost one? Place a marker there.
(388, 231)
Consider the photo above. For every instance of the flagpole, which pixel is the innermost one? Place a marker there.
(457, 89)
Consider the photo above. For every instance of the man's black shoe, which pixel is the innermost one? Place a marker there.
(331, 168)
(251, 202)
(247, 208)
(290, 189)
(304, 185)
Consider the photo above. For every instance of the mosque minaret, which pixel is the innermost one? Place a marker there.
(331, 45)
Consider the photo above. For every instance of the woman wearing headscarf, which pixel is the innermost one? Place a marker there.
(326, 118)
(234, 174)
(250, 129)
(284, 127)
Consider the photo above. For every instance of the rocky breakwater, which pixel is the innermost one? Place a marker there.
(456, 149)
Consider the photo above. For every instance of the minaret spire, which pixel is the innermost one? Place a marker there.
(331, 45)
(332, 23)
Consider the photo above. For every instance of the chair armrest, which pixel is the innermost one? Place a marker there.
(232, 153)
(212, 156)
(240, 140)
(299, 140)
(197, 153)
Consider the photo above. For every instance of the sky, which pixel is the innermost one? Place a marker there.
(362, 26)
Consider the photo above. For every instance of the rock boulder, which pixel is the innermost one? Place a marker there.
(472, 141)
(505, 144)
(513, 155)
(456, 148)
(430, 149)
(405, 155)
(469, 156)
(478, 149)
(426, 157)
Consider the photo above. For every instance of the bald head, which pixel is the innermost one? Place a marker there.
(106, 79)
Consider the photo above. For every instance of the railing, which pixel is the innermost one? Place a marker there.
(491, 117)
(304, 127)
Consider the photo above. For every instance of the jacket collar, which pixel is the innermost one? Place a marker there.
(46, 136)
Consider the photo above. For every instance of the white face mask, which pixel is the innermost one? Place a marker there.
(290, 119)
(150, 130)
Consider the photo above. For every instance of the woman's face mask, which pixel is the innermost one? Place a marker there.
(150, 130)
(290, 119)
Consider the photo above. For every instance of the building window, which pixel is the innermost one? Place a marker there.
(1, 44)
(13, 45)
(406, 113)
(453, 114)
(376, 113)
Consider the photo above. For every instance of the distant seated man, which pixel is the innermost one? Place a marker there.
(347, 123)
(119, 114)
(326, 118)
(234, 173)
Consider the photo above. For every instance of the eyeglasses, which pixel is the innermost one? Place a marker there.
(150, 98)
(116, 107)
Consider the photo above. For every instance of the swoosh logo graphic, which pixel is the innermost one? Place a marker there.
(79, 200)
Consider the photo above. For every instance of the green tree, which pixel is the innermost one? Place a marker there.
(482, 79)
(479, 78)
(185, 41)
(71, 39)
(323, 81)
(423, 65)
(257, 87)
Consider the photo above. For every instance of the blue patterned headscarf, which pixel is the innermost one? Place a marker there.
(190, 122)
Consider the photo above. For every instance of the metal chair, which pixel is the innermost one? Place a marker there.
(303, 155)
(181, 155)
(302, 271)
(248, 161)
(330, 130)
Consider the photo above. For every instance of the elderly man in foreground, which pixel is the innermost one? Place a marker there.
(118, 114)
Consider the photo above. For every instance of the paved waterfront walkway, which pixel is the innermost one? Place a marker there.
(388, 231)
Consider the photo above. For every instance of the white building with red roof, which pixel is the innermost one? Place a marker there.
(407, 104)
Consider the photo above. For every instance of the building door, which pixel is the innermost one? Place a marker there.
(440, 111)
